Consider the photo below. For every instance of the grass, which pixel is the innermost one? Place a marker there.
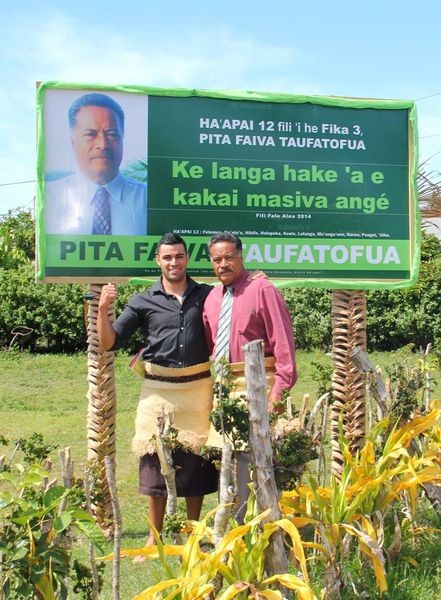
(47, 394)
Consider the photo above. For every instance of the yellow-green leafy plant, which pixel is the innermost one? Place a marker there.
(354, 508)
(239, 558)
(36, 523)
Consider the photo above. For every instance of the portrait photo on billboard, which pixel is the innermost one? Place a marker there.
(95, 162)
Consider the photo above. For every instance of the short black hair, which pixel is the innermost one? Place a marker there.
(226, 236)
(171, 239)
(95, 99)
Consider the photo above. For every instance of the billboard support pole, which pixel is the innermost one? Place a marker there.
(348, 412)
(101, 414)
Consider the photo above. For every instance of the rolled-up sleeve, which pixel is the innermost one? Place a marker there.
(125, 326)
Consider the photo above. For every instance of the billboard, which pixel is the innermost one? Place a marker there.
(321, 190)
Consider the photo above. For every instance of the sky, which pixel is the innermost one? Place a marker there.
(377, 49)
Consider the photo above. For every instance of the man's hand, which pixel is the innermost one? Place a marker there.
(108, 295)
(275, 404)
(105, 329)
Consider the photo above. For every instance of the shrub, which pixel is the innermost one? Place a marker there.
(37, 520)
(53, 311)
(396, 318)
(310, 310)
(16, 238)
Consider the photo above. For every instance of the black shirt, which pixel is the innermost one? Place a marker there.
(173, 332)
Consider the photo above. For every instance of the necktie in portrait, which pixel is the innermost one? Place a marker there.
(101, 224)
(222, 346)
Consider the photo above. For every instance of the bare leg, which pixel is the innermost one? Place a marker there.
(156, 506)
(194, 506)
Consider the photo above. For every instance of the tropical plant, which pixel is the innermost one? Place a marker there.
(293, 446)
(373, 480)
(16, 238)
(37, 521)
(238, 558)
(429, 193)
(407, 377)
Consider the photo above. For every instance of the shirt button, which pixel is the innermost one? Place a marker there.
(182, 328)
(180, 363)
(181, 345)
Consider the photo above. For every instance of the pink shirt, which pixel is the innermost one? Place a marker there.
(259, 312)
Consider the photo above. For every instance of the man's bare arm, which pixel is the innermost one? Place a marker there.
(106, 333)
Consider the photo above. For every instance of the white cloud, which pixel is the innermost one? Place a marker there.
(429, 130)
(66, 49)
(54, 46)
(57, 47)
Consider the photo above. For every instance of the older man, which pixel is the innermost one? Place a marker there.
(257, 311)
(97, 199)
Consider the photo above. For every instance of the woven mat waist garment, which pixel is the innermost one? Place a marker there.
(238, 370)
(183, 393)
(240, 388)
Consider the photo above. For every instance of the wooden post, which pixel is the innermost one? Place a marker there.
(110, 472)
(267, 496)
(95, 591)
(376, 383)
(227, 494)
(166, 461)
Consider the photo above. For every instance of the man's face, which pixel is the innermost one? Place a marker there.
(97, 141)
(173, 260)
(227, 262)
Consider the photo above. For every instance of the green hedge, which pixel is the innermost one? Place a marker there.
(395, 317)
(55, 312)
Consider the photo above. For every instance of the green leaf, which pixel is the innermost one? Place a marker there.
(62, 522)
(20, 553)
(45, 586)
(20, 468)
(8, 476)
(6, 499)
(81, 515)
(23, 519)
(93, 533)
(53, 495)
(31, 479)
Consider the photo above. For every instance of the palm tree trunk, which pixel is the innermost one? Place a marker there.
(101, 438)
(348, 383)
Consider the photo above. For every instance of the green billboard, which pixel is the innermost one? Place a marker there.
(321, 190)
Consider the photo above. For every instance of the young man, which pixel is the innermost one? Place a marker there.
(177, 380)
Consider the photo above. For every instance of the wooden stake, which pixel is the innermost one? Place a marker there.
(262, 456)
(110, 472)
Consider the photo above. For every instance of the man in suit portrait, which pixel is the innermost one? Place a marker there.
(97, 199)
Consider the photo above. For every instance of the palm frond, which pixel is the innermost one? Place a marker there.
(429, 192)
